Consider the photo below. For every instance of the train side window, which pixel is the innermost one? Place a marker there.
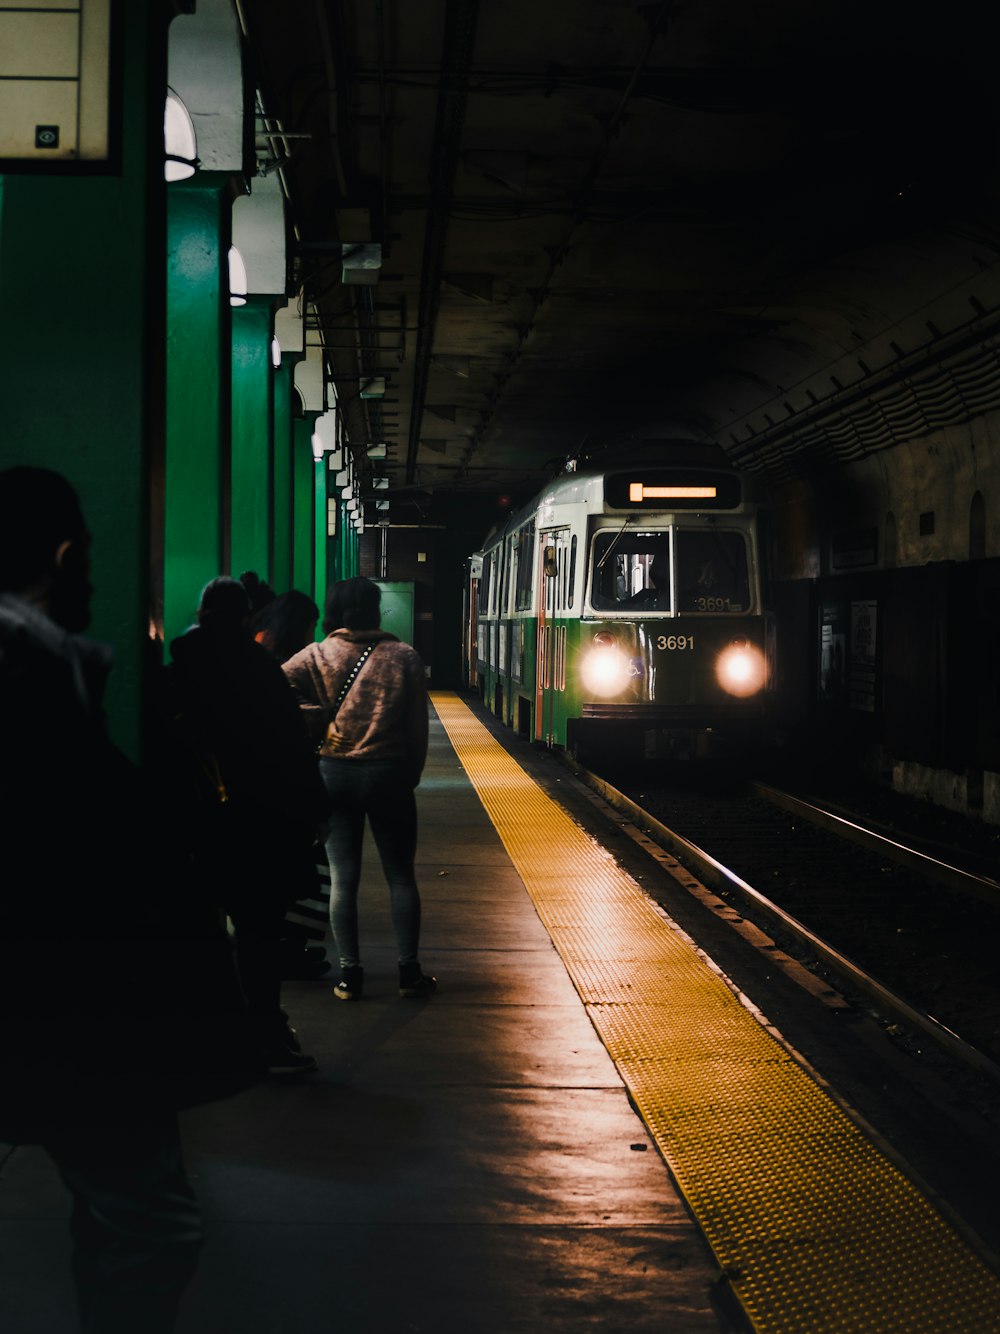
(484, 586)
(525, 565)
(572, 572)
(712, 573)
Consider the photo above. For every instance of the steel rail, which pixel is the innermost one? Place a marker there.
(720, 878)
(942, 873)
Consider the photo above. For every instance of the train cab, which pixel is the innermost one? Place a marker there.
(628, 609)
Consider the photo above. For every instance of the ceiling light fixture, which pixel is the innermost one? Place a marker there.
(179, 140)
(237, 278)
(360, 264)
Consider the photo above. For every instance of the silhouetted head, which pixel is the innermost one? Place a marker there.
(225, 606)
(44, 544)
(659, 575)
(285, 624)
(260, 593)
(353, 604)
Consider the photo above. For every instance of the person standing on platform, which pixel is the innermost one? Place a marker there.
(286, 624)
(119, 1002)
(242, 765)
(364, 699)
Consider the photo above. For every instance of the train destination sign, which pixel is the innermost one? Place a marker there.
(672, 489)
(639, 491)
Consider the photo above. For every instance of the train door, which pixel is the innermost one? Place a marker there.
(550, 675)
(470, 622)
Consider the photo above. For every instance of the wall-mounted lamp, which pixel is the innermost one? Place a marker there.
(325, 427)
(237, 278)
(179, 142)
(275, 354)
(317, 447)
(360, 264)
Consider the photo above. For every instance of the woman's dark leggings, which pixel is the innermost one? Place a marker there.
(374, 789)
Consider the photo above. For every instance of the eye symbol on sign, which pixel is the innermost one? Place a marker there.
(46, 136)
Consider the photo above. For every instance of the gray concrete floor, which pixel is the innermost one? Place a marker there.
(468, 1163)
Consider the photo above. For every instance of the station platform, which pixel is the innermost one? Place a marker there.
(509, 1155)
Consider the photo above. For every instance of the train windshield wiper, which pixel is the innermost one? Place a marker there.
(614, 541)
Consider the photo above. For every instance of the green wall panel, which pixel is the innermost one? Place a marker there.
(398, 598)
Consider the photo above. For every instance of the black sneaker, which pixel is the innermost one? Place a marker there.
(282, 1052)
(284, 1061)
(414, 983)
(351, 984)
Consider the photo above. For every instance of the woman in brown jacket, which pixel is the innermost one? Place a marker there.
(374, 744)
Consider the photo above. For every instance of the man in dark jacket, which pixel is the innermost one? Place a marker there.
(242, 756)
(137, 1012)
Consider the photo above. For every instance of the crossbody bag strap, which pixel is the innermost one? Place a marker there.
(350, 680)
(328, 742)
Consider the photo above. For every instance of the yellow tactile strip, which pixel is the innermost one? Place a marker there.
(817, 1230)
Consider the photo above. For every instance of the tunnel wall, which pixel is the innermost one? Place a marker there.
(888, 605)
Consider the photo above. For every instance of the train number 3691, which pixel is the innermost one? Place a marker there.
(674, 642)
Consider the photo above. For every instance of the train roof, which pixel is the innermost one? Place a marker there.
(583, 481)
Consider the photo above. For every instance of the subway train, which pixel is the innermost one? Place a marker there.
(626, 610)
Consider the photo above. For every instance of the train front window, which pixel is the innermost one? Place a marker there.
(712, 573)
(631, 571)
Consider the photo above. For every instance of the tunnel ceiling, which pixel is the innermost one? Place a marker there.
(774, 226)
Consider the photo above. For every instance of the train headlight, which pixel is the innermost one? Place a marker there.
(739, 669)
(604, 671)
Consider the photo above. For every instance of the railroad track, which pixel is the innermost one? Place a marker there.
(808, 874)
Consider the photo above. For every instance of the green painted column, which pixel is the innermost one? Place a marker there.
(348, 546)
(304, 533)
(252, 500)
(338, 548)
(321, 576)
(281, 568)
(81, 352)
(198, 394)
